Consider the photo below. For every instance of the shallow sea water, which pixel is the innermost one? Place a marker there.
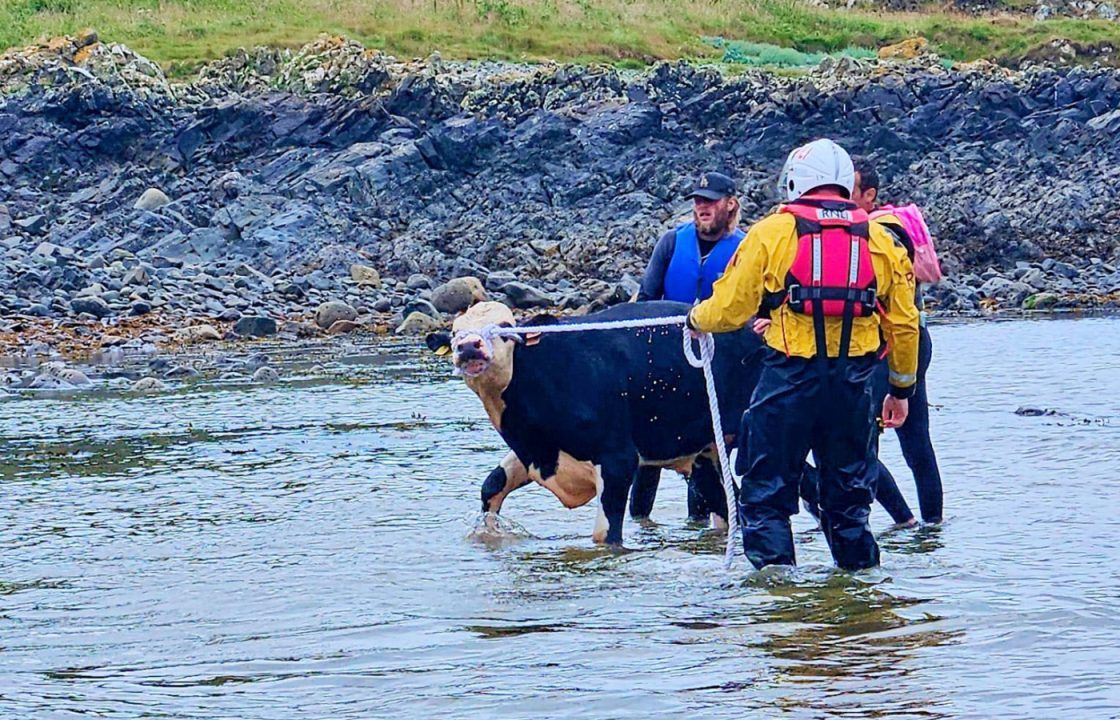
(303, 550)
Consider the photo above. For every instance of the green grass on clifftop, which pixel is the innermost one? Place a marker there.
(183, 33)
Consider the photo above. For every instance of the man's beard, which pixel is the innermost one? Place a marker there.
(717, 227)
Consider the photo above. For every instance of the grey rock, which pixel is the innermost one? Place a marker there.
(1009, 291)
(46, 249)
(417, 323)
(1066, 270)
(137, 276)
(417, 281)
(332, 311)
(1035, 278)
(365, 275)
(149, 384)
(198, 334)
(458, 294)
(152, 199)
(34, 224)
(94, 306)
(255, 326)
(422, 306)
(524, 296)
(74, 377)
(266, 375)
(496, 280)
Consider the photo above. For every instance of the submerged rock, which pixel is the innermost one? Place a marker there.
(150, 384)
(266, 375)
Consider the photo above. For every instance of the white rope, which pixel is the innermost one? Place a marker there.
(702, 361)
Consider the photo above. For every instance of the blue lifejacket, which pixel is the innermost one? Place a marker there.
(687, 280)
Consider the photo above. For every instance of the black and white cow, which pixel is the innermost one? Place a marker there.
(580, 411)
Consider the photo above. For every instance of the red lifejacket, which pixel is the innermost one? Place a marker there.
(832, 274)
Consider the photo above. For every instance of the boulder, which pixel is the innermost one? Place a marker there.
(149, 384)
(422, 306)
(46, 249)
(418, 281)
(495, 281)
(418, 323)
(906, 50)
(266, 375)
(1040, 301)
(524, 296)
(137, 276)
(73, 376)
(255, 326)
(332, 311)
(33, 225)
(90, 305)
(457, 295)
(152, 199)
(199, 333)
(365, 276)
(342, 327)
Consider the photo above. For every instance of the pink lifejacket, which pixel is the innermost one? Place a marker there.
(927, 268)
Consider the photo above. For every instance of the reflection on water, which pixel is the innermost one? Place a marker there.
(313, 549)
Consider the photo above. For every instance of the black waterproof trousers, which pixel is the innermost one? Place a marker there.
(827, 407)
(913, 438)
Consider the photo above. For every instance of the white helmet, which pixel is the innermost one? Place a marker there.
(821, 162)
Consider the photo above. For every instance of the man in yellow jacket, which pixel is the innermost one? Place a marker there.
(836, 286)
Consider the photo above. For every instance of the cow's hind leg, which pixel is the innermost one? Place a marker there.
(644, 491)
(614, 479)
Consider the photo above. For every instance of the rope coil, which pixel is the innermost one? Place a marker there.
(701, 361)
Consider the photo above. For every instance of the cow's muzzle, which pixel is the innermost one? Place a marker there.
(471, 356)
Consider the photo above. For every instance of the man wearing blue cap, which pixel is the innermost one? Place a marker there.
(690, 257)
(685, 263)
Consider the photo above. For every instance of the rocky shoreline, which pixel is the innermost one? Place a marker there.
(333, 190)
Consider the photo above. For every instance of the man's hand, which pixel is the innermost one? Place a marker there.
(895, 411)
(759, 325)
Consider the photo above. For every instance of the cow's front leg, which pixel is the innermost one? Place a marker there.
(502, 480)
(613, 479)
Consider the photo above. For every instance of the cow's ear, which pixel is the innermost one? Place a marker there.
(439, 342)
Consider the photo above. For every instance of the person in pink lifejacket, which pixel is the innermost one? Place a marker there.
(913, 437)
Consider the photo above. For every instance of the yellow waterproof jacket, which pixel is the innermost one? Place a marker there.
(760, 265)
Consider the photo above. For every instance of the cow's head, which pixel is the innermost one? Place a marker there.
(475, 349)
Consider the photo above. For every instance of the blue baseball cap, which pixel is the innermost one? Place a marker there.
(712, 186)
